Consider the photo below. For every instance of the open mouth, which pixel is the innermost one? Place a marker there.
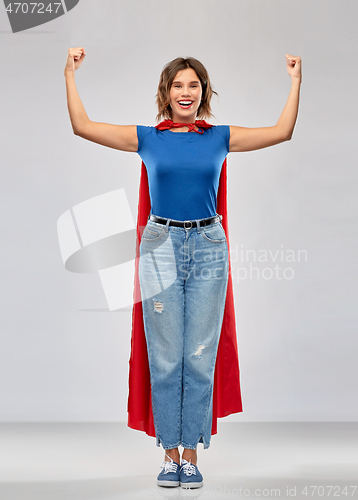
(185, 104)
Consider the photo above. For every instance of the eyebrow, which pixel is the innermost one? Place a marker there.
(194, 81)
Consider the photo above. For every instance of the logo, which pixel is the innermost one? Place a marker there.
(25, 15)
(99, 236)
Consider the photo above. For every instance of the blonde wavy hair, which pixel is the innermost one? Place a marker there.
(165, 82)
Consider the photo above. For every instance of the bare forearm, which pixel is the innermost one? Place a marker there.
(288, 117)
(78, 115)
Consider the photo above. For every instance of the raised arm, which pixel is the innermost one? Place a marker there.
(249, 139)
(123, 137)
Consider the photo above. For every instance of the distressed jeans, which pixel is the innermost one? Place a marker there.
(183, 277)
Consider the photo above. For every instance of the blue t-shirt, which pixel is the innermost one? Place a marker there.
(183, 170)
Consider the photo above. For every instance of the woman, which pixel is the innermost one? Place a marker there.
(183, 268)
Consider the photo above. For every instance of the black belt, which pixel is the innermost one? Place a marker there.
(186, 224)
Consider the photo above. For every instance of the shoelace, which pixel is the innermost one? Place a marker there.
(188, 468)
(169, 466)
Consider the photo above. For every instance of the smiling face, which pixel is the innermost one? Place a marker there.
(185, 96)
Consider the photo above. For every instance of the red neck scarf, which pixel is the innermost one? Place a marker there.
(168, 124)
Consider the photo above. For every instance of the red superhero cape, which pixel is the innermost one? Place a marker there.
(227, 393)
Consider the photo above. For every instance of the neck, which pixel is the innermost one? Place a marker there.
(181, 119)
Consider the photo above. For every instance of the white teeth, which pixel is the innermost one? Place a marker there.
(185, 103)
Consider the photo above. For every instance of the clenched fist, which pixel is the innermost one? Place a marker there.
(294, 66)
(74, 59)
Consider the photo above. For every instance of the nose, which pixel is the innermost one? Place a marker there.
(186, 92)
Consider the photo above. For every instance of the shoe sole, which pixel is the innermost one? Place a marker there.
(191, 485)
(168, 483)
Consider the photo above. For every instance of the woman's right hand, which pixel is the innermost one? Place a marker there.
(74, 59)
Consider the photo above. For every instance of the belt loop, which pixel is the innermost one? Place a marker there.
(198, 225)
(167, 225)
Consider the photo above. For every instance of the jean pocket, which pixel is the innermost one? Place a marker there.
(214, 233)
(152, 233)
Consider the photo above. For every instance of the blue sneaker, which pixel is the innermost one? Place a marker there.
(189, 475)
(169, 476)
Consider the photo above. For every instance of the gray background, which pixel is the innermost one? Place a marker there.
(63, 356)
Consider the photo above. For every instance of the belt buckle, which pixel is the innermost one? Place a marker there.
(191, 224)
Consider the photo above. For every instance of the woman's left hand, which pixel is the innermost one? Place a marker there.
(294, 66)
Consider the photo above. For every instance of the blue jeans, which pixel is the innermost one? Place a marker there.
(183, 277)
